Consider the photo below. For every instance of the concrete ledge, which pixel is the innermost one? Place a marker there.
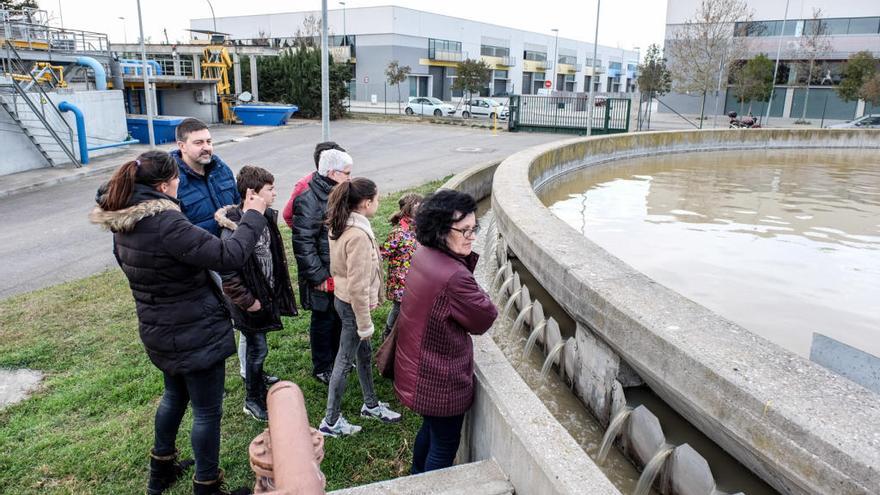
(478, 478)
(800, 427)
(476, 181)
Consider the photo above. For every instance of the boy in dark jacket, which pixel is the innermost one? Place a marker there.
(260, 292)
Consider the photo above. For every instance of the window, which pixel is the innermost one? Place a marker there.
(568, 59)
(864, 25)
(500, 74)
(435, 45)
(536, 56)
(494, 51)
(614, 65)
(631, 67)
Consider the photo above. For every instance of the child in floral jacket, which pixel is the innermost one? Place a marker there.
(398, 250)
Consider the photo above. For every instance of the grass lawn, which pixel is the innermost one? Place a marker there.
(89, 428)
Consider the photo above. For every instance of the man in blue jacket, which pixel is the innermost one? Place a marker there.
(206, 185)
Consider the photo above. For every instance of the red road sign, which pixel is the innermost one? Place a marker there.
(547, 84)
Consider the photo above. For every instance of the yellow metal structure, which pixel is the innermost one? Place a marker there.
(216, 63)
(44, 72)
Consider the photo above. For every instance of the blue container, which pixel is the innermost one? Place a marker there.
(264, 114)
(163, 128)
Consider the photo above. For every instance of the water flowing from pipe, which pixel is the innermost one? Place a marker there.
(652, 469)
(521, 317)
(498, 276)
(611, 433)
(505, 285)
(511, 302)
(551, 358)
(533, 337)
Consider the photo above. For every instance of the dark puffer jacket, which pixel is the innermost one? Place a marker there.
(247, 284)
(311, 244)
(442, 306)
(182, 314)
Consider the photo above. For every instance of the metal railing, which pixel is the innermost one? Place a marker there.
(50, 38)
(447, 56)
(568, 114)
(180, 67)
(61, 131)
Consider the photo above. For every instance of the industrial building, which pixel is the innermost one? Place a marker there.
(432, 45)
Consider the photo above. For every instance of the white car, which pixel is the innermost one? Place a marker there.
(864, 122)
(424, 105)
(483, 107)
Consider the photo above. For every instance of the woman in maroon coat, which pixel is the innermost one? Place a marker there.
(443, 305)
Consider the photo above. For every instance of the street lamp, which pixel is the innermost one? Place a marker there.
(124, 32)
(555, 56)
(593, 77)
(212, 15)
(147, 88)
(344, 31)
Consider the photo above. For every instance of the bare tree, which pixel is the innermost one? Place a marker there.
(396, 74)
(813, 44)
(701, 50)
(654, 79)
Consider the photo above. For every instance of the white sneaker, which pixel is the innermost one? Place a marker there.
(341, 427)
(380, 412)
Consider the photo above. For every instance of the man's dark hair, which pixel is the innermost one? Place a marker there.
(187, 127)
(250, 177)
(322, 147)
(438, 212)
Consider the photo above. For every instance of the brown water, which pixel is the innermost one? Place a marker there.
(784, 243)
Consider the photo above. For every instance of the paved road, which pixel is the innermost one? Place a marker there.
(47, 239)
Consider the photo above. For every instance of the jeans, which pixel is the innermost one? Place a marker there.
(242, 355)
(204, 389)
(436, 443)
(257, 350)
(324, 339)
(392, 317)
(351, 347)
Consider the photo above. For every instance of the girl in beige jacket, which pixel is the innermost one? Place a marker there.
(357, 275)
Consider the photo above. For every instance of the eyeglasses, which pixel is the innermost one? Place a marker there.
(468, 232)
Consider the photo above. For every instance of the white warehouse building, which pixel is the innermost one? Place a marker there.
(369, 38)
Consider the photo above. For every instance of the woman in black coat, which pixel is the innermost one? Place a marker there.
(183, 320)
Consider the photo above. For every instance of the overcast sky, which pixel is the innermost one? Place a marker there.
(624, 23)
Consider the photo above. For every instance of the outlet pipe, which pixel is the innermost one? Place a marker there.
(81, 133)
(100, 73)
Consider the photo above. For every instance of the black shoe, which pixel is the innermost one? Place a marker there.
(165, 470)
(324, 377)
(216, 487)
(270, 380)
(256, 409)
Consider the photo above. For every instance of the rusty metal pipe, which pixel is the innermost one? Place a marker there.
(294, 450)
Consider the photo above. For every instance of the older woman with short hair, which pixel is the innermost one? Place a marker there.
(442, 307)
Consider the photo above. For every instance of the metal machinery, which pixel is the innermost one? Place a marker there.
(216, 63)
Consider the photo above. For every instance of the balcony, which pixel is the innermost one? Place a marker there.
(564, 68)
(495, 62)
(342, 54)
(593, 71)
(447, 56)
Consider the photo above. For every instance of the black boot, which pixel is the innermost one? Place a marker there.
(165, 470)
(256, 408)
(270, 380)
(216, 487)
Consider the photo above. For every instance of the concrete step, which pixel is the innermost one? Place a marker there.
(476, 478)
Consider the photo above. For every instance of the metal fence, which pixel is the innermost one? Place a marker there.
(568, 114)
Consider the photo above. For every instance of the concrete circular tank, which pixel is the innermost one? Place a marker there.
(798, 426)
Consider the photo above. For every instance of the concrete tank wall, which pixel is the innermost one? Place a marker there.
(800, 427)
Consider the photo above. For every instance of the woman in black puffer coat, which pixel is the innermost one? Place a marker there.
(183, 319)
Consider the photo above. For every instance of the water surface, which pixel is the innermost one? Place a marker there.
(784, 243)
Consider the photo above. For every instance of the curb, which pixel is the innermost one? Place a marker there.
(89, 171)
(454, 121)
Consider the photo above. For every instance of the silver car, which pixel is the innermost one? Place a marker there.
(425, 105)
(864, 122)
(483, 107)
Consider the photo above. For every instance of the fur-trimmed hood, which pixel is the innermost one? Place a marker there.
(222, 217)
(126, 219)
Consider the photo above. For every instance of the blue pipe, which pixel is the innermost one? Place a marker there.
(65, 106)
(100, 73)
(157, 69)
